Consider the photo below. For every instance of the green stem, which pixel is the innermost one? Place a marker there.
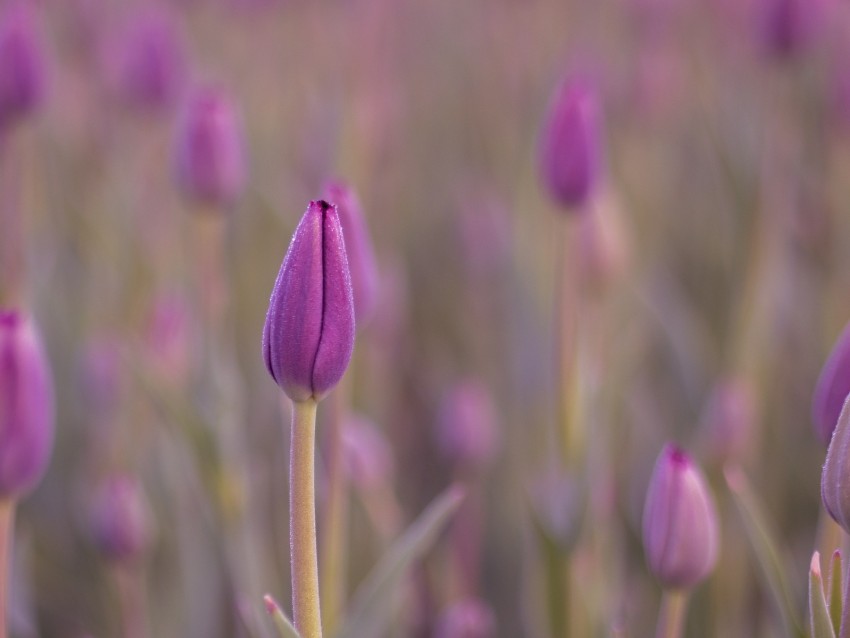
(334, 522)
(557, 589)
(671, 616)
(302, 521)
(7, 524)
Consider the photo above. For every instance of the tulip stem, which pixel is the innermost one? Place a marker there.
(334, 522)
(671, 616)
(302, 521)
(7, 524)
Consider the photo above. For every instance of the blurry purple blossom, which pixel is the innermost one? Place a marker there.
(680, 526)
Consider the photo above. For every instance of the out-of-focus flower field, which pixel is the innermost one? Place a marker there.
(536, 352)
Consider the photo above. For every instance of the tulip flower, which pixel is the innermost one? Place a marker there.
(570, 149)
(832, 388)
(22, 65)
(358, 246)
(210, 154)
(151, 61)
(680, 533)
(26, 426)
(120, 519)
(467, 428)
(308, 339)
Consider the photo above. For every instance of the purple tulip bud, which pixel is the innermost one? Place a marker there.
(308, 337)
(788, 26)
(367, 457)
(120, 519)
(835, 480)
(210, 153)
(467, 429)
(22, 67)
(832, 388)
(680, 530)
(728, 419)
(26, 406)
(168, 339)
(151, 61)
(571, 144)
(471, 618)
(358, 246)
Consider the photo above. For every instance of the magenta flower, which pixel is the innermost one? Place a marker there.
(308, 336)
(358, 245)
(570, 150)
(210, 150)
(467, 428)
(367, 456)
(832, 388)
(22, 65)
(151, 61)
(120, 519)
(835, 480)
(26, 406)
(788, 26)
(472, 618)
(680, 529)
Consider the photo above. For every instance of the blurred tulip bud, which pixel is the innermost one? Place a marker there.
(558, 503)
(308, 336)
(151, 62)
(570, 151)
(26, 406)
(22, 65)
(168, 339)
(467, 428)
(100, 369)
(832, 388)
(789, 26)
(367, 457)
(120, 519)
(728, 419)
(484, 233)
(358, 247)
(210, 156)
(680, 528)
(471, 618)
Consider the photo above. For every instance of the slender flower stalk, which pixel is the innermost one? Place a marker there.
(7, 524)
(308, 339)
(671, 617)
(302, 526)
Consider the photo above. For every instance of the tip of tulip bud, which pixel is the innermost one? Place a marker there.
(9, 318)
(678, 455)
(270, 604)
(814, 566)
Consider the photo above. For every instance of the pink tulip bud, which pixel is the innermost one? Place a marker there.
(570, 150)
(151, 61)
(680, 529)
(358, 247)
(471, 618)
(467, 428)
(26, 406)
(728, 419)
(832, 388)
(120, 519)
(308, 336)
(210, 153)
(835, 480)
(22, 66)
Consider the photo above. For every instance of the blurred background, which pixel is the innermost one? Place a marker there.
(709, 261)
